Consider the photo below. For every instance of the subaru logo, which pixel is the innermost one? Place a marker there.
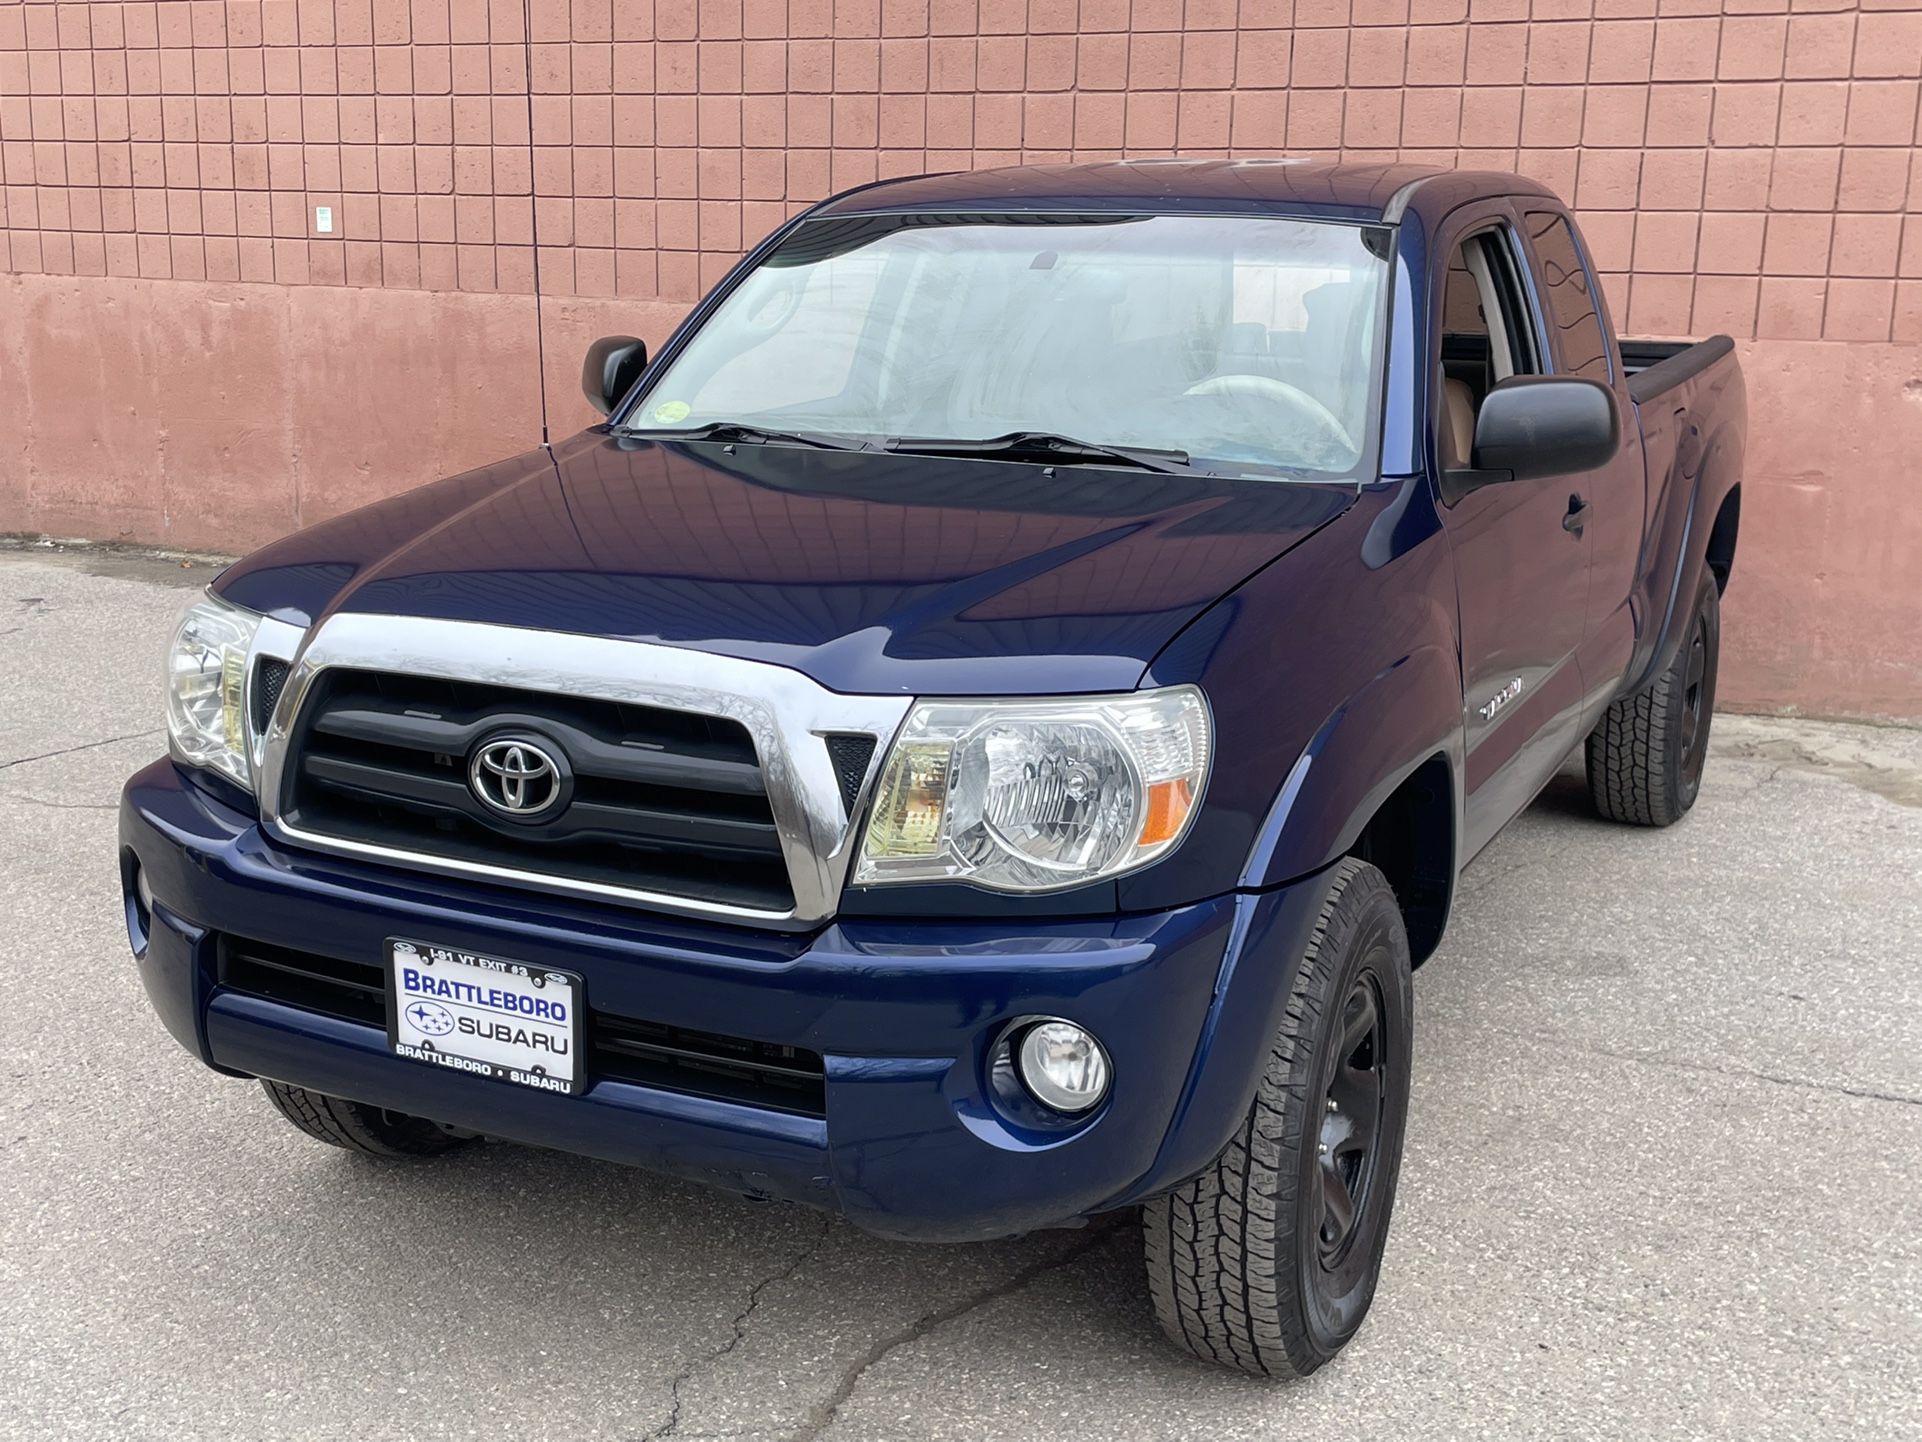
(430, 1018)
(516, 777)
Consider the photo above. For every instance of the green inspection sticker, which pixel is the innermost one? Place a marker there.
(672, 411)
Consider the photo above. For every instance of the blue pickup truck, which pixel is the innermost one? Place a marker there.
(981, 735)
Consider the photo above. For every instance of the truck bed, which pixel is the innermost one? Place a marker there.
(1654, 366)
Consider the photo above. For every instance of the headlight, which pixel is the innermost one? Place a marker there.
(1037, 795)
(207, 688)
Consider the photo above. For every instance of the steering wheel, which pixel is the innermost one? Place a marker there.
(1305, 407)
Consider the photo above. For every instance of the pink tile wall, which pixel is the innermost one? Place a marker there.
(1740, 165)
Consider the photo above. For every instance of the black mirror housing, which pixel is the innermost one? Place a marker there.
(612, 366)
(1536, 426)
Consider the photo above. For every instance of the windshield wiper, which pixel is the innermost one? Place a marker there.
(739, 431)
(1044, 445)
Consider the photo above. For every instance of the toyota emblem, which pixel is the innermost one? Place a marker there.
(515, 777)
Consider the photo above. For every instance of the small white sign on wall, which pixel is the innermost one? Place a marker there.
(324, 219)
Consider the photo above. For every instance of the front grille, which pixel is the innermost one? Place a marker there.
(619, 1048)
(662, 801)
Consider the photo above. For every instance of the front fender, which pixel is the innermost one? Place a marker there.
(1408, 713)
(1344, 652)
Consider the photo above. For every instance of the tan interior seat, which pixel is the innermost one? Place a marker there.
(1457, 437)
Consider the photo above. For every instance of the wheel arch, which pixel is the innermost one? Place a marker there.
(1722, 535)
(1381, 781)
(1410, 839)
(1275, 922)
(1701, 514)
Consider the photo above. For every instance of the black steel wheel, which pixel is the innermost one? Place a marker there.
(1349, 1149)
(1268, 1260)
(1698, 697)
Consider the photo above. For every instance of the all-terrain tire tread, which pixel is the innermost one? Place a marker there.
(356, 1127)
(1634, 773)
(1221, 1287)
(1627, 774)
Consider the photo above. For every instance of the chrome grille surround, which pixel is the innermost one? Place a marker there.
(787, 714)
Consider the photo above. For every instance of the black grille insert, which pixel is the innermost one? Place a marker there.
(850, 752)
(757, 1073)
(353, 991)
(270, 676)
(662, 801)
(619, 1048)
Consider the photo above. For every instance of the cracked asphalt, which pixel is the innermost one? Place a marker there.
(1664, 1171)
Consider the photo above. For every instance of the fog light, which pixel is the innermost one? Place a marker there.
(1063, 1066)
(143, 893)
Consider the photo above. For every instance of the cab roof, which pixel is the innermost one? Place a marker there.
(1273, 185)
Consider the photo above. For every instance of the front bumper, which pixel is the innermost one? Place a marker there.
(904, 1014)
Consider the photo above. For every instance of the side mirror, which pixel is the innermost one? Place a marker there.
(612, 366)
(1535, 426)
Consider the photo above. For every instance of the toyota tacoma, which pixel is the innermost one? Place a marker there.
(981, 734)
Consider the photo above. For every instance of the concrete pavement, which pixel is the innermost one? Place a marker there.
(1664, 1172)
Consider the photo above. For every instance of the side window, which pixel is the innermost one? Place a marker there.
(1565, 291)
(1487, 335)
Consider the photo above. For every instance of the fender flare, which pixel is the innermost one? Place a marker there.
(1717, 458)
(1348, 768)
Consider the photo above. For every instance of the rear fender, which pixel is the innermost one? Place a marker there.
(1706, 466)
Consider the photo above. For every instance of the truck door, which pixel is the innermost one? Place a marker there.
(1617, 493)
(1521, 562)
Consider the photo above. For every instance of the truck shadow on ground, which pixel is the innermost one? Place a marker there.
(1565, 798)
(782, 1312)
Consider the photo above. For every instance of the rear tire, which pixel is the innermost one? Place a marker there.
(1645, 759)
(1268, 1260)
(357, 1127)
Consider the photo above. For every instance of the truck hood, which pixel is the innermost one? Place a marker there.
(870, 572)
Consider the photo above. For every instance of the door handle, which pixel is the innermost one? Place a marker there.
(1577, 515)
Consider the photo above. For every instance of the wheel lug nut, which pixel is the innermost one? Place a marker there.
(1333, 1106)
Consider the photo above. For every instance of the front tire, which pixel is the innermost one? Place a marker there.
(1645, 759)
(357, 1127)
(1268, 1260)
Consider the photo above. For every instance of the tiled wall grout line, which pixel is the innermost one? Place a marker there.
(264, 108)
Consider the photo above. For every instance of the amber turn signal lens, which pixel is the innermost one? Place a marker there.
(1167, 810)
(912, 801)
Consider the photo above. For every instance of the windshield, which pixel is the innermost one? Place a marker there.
(1237, 342)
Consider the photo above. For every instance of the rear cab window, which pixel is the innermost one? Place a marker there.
(1568, 293)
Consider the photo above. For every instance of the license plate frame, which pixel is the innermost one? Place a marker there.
(458, 992)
